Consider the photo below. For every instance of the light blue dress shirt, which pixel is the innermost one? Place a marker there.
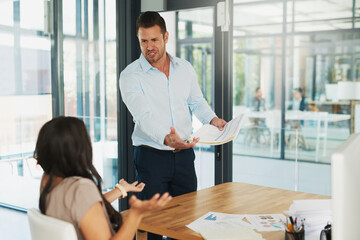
(157, 103)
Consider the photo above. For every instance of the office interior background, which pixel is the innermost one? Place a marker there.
(64, 58)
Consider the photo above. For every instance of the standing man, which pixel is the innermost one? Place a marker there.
(161, 92)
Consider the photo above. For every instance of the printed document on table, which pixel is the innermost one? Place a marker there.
(215, 219)
(211, 135)
(267, 222)
(222, 226)
(239, 233)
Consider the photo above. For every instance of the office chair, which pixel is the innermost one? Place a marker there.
(43, 227)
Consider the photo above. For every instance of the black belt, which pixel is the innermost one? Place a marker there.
(174, 151)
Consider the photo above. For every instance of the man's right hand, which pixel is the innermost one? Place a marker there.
(173, 140)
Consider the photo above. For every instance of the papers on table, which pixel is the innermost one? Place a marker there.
(267, 222)
(214, 225)
(218, 220)
(316, 213)
(238, 233)
(211, 135)
(222, 226)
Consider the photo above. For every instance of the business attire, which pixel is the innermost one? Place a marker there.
(156, 104)
(258, 104)
(300, 105)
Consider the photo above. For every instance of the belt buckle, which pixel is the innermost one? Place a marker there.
(176, 150)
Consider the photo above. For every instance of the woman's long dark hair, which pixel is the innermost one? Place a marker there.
(63, 149)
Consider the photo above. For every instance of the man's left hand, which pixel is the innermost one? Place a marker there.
(218, 122)
(173, 140)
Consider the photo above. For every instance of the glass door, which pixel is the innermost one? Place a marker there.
(257, 86)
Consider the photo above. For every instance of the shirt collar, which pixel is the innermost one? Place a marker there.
(146, 66)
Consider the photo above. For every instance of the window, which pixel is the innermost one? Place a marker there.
(25, 98)
(89, 57)
(280, 46)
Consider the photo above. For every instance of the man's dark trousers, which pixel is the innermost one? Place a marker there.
(164, 171)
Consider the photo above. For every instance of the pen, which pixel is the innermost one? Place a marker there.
(292, 224)
(290, 227)
(291, 220)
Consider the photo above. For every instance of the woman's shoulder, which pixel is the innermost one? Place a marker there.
(77, 180)
(75, 188)
(80, 191)
(73, 183)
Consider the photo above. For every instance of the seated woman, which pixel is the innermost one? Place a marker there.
(71, 187)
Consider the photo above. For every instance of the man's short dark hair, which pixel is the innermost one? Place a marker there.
(150, 19)
(298, 89)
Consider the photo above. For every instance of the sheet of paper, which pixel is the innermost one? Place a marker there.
(238, 233)
(218, 220)
(310, 205)
(211, 135)
(267, 222)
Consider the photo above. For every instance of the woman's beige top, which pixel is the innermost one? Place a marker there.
(71, 199)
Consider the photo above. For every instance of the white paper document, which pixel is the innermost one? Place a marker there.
(222, 226)
(313, 206)
(267, 222)
(239, 233)
(211, 135)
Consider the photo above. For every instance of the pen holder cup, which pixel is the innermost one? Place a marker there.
(295, 235)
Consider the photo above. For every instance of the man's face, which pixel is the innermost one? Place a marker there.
(152, 43)
(258, 94)
(296, 95)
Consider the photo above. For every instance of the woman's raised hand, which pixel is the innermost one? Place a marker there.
(156, 202)
(133, 187)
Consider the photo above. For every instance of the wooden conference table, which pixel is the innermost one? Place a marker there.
(234, 198)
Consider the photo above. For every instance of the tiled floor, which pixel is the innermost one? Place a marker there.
(13, 225)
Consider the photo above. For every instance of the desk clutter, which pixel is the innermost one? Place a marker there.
(316, 212)
(294, 228)
(307, 218)
(214, 225)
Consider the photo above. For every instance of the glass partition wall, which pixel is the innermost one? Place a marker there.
(25, 98)
(88, 39)
(281, 48)
(89, 60)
